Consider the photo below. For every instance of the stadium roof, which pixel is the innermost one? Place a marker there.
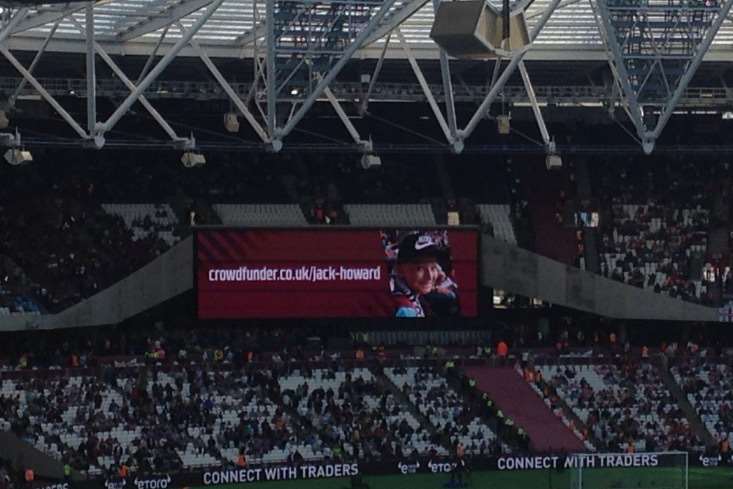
(134, 27)
(653, 48)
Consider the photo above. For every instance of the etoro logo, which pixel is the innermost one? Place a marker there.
(441, 467)
(61, 485)
(408, 468)
(710, 461)
(153, 483)
(115, 484)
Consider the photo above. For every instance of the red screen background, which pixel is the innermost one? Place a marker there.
(295, 248)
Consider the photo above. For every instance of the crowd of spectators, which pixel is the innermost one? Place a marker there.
(93, 399)
(706, 380)
(159, 404)
(357, 415)
(626, 407)
(57, 245)
(657, 223)
(445, 408)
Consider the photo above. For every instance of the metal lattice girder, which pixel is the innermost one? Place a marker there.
(654, 48)
(122, 109)
(308, 38)
(308, 43)
(706, 99)
(160, 15)
(14, 21)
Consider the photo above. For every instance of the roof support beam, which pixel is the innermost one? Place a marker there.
(128, 83)
(12, 24)
(233, 96)
(162, 64)
(450, 106)
(164, 19)
(17, 18)
(33, 20)
(36, 59)
(426, 89)
(395, 19)
(517, 57)
(364, 105)
(99, 140)
(346, 121)
(91, 70)
(358, 42)
(702, 49)
(152, 56)
(270, 72)
(42, 91)
(535, 106)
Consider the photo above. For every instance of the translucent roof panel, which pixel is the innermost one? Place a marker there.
(572, 27)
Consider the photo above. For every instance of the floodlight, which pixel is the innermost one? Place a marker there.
(191, 159)
(15, 156)
(231, 122)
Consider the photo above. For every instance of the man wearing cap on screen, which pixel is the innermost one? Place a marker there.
(416, 274)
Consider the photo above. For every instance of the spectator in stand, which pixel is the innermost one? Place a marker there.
(656, 230)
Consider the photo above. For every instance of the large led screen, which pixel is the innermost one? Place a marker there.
(340, 272)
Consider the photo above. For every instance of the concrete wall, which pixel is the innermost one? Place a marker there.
(23, 455)
(519, 271)
(162, 279)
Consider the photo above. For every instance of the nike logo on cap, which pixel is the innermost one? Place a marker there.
(423, 242)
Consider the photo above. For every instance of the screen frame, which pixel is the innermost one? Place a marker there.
(342, 227)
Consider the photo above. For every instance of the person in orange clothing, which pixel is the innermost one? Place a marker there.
(30, 476)
(241, 460)
(502, 349)
(529, 375)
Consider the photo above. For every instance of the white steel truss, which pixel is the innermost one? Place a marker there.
(299, 48)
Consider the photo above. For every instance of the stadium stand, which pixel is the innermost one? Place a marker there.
(165, 399)
(515, 398)
(182, 405)
(499, 218)
(547, 195)
(356, 414)
(260, 214)
(390, 215)
(145, 220)
(707, 384)
(626, 407)
(435, 399)
(656, 227)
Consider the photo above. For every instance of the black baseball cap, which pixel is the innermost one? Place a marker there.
(416, 246)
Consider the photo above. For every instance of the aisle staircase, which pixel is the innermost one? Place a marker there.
(518, 401)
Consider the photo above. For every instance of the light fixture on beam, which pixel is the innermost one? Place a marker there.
(231, 122)
(553, 161)
(370, 160)
(191, 159)
(16, 156)
(503, 124)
